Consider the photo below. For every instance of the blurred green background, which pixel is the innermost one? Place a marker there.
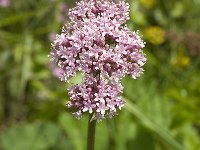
(163, 105)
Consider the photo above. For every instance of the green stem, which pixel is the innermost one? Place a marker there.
(91, 133)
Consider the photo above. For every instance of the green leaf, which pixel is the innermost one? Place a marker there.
(16, 18)
(76, 130)
(162, 132)
(36, 136)
(26, 69)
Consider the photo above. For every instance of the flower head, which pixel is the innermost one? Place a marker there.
(99, 45)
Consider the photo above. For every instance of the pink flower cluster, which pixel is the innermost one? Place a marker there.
(4, 3)
(99, 45)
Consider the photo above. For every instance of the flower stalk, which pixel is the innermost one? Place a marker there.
(91, 133)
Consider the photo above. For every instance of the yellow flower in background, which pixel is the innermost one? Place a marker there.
(185, 61)
(147, 3)
(181, 61)
(155, 35)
